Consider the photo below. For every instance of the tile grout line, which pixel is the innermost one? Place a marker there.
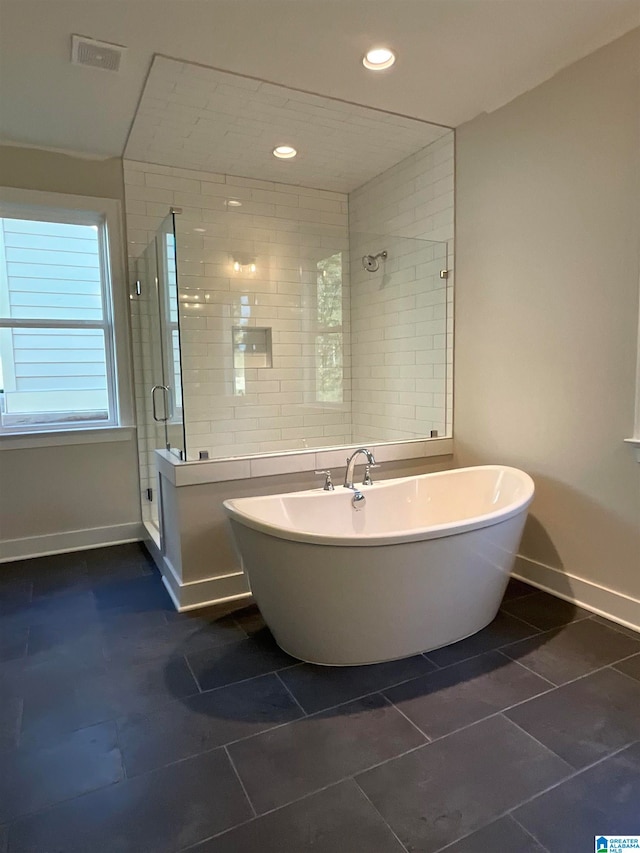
(494, 820)
(425, 655)
(614, 626)
(239, 778)
(509, 812)
(384, 820)
(125, 775)
(193, 675)
(247, 636)
(553, 627)
(502, 711)
(529, 833)
(611, 665)
(496, 713)
(537, 633)
(309, 717)
(527, 668)
(12, 820)
(558, 630)
(269, 812)
(197, 844)
(408, 719)
(222, 686)
(534, 591)
(524, 622)
(567, 778)
(451, 844)
(325, 787)
(277, 675)
(620, 672)
(539, 742)
(18, 734)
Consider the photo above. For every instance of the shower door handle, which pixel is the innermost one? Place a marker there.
(165, 391)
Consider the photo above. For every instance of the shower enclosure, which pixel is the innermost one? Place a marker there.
(288, 347)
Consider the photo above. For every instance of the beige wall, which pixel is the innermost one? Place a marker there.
(48, 490)
(48, 171)
(548, 225)
(53, 498)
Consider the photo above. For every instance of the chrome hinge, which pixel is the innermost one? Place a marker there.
(444, 273)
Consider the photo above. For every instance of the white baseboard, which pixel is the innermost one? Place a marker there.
(72, 540)
(620, 608)
(202, 593)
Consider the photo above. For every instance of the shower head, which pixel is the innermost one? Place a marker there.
(371, 262)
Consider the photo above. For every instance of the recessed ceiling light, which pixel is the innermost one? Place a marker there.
(284, 152)
(378, 59)
(233, 202)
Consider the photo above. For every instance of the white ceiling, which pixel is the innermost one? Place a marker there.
(200, 118)
(456, 58)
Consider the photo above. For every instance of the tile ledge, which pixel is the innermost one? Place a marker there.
(241, 467)
(634, 443)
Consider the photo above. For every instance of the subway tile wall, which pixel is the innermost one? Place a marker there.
(402, 315)
(255, 265)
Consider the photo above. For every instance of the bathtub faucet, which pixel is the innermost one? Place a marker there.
(351, 463)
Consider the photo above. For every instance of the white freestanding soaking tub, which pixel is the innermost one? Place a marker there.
(424, 563)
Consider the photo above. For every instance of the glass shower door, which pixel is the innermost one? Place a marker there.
(168, 393)
(158, 378)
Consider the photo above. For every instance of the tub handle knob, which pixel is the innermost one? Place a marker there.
(328, 484)
(368, 480)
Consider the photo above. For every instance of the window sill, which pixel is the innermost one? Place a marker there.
(635, 444)
(95, 435)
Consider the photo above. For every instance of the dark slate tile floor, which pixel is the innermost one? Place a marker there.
(126, 727)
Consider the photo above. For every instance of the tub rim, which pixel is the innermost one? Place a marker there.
(436, 531)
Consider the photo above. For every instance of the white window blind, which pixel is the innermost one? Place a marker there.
(56, 340)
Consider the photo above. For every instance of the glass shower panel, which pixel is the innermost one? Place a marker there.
(169, 331)
(265, 336)
(154, 319)
(293, 339)
(399, 341)
(152, 433)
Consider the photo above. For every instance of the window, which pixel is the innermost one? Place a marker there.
(329, 374)
(57, 345)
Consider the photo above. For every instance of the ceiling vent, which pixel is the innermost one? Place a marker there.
(97, 54)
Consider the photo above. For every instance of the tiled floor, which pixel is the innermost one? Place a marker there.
(128, 728)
